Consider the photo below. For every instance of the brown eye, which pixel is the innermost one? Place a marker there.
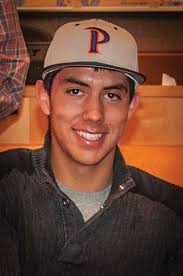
(75, 92)
(112, 96)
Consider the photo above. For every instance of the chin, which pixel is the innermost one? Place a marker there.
(90, 159)
(88, 163)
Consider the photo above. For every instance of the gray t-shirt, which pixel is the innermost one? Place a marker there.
(88, 203)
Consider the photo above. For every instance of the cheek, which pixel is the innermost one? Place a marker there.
(63, 110)
(117, 118)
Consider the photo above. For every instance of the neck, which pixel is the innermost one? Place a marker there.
(81, 177)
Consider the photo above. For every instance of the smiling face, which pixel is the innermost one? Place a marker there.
(88, 111)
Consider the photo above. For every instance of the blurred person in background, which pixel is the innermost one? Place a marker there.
(14, 59)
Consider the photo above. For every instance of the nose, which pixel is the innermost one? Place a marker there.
(93, 110)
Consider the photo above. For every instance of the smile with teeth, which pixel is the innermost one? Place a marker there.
(89, 136)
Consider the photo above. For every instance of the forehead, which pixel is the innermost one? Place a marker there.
(92, 75)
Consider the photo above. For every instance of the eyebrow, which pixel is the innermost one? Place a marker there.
(76, 81)
(118, 86)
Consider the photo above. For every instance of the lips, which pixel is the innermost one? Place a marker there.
(89, 136)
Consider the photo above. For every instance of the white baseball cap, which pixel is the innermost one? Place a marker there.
(93, 43)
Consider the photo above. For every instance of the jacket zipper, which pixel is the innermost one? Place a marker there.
(122, 189)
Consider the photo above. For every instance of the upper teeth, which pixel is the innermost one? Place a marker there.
(90, 136)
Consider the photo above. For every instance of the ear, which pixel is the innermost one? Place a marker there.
(133, 105)
(42, 97)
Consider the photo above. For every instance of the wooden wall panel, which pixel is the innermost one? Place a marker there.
(162, 161)
(158, 121)
(153, 65)
(38, 3)
(100, 3)
(16, 127)
(153, 140)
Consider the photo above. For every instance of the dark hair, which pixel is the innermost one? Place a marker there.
(50, 77)
(132, 88)
(47, 82)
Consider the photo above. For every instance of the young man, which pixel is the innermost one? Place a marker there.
(74, 207)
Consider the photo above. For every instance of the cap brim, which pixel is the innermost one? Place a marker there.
(138, 78)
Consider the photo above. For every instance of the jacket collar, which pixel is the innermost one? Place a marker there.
(122, 180)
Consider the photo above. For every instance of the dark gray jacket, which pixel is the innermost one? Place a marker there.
(138, 231)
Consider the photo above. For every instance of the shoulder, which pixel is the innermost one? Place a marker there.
(154, 213)
(16, 171)
(156, 224)
(20, 159)
(158, 190)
